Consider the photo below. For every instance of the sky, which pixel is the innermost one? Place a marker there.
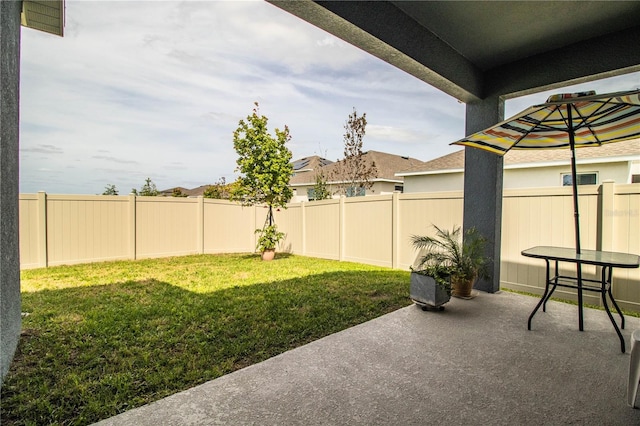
(155, 89)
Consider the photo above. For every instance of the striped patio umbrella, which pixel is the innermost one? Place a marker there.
(573, 120)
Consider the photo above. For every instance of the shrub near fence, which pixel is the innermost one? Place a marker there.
(66, 229)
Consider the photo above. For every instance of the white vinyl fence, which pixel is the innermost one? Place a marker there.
(67, 229)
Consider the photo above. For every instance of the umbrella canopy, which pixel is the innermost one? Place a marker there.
(571, 121)
(590, 119)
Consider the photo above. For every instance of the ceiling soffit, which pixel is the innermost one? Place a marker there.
(473, 50)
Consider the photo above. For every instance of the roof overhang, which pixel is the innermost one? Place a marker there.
(43, 15)
(430, 172)
(474, 50)
(344, 181)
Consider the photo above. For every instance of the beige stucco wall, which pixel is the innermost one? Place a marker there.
(383, 188)
(538, 177)
(434, 183)
(618, 172)
(378, 188)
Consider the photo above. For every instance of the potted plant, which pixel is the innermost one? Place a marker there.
(462, 257)
(430, 286)
(267, 241)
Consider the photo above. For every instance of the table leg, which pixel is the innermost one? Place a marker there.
(580, 312)
(606, 281)
(613, 321)
(610, 282)
(555, 284)
(543, 299)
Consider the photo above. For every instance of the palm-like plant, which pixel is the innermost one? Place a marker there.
(462, 257)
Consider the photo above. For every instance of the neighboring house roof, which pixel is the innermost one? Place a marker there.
(387, 166)
(169, 192)
(308, 164)
(518, 158)
(189, 192)
(195, 192)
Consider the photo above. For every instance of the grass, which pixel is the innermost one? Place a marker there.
(103, 338)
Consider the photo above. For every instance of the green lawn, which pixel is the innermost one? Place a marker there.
(103, 338)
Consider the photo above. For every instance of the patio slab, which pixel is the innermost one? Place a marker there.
(474, 363)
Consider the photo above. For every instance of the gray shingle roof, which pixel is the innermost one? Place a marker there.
(309, 163)
(386, 164)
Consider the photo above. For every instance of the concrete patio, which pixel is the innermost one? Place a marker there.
(474, 363)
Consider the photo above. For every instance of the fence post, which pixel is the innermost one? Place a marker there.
(605, 242)
(303, 220)
(341, 229)
(132, 226)
(200, 225)
(254, 215)
(395, 229)
(43, 249)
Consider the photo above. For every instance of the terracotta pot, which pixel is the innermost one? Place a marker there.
(268, 254)
(461, 287)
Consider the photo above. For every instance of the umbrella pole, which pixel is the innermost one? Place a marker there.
(574, 178)
(574, 184)
(576, 215)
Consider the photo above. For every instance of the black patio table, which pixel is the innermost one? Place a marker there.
(605, 259)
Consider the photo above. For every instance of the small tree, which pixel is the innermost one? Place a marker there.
(147, 190)
(264, 165)
(320, 188)
(110, 189)
(219, 190)
(177, 192)
(354, 172)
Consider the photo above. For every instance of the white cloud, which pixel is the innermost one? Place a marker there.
(399, 135)
(43, 149)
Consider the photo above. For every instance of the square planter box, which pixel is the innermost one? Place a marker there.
(425, 292)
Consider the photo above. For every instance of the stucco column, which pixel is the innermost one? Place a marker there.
(483, 187)
(9, 125)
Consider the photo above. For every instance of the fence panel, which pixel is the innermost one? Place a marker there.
(228, 227)
(166, 226)
(322, 229)
(626, 239)
(535, 217)
(418, 212)
(89, 228)
(66, 229)
(29, 232)
(289, 221)
(367, 230)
